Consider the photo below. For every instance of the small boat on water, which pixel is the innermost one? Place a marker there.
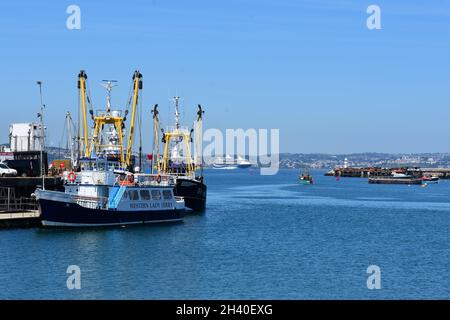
(243, 163)
(306, 178)
(430, 179)
(104, 194)
(227, 163)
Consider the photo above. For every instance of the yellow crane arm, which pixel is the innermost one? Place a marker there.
(137, 80)
(82, 86)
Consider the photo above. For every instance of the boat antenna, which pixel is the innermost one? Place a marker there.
(41, 117)
(155, 147)
(200, 113)
(70, 139)
(109, 84)
(177, 112)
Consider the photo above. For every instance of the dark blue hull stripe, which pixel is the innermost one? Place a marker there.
(61, 213)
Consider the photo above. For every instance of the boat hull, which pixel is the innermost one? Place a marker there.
(225, 166)
(392, 180)
(193, 192)
(432, 180)
(56, 213)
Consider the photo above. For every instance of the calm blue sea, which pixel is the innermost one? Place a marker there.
(262, 237)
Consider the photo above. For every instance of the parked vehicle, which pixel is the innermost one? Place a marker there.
(25, 168)
(6, 171)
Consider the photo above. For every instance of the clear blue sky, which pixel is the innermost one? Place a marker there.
(310, 68)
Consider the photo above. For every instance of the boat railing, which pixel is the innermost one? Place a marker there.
(112, 113)
(175, 175)
(155, 179)
(180, 129)
(112, 146)
(91, 202)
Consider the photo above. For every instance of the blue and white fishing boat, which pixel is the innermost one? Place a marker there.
(103, 194)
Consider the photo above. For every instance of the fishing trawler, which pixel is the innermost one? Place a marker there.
(177, 161)
(305, 178)
(105, 194)
(102, 190)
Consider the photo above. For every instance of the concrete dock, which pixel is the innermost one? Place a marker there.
(355, 172)
(21, 219)
(442, 173)
(392, 180)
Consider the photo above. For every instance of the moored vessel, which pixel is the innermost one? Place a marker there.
(177, 159)
(305, 178)
(430, 179)
(103, 194)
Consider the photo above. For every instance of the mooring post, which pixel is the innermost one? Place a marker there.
(9, 191)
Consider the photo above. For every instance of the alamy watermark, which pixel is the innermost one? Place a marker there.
(73, 21)
(260, 146)
(374, 280)
(374, 20)
(74, 279)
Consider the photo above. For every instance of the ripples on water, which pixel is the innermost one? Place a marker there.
(262, 237)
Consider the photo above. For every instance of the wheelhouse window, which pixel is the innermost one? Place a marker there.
(134, 195)
(101, 166)
(156, 195)
(145, 194)
(167, 194)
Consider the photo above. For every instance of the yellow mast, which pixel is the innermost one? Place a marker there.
(104, 118)
(112, 118)
(82, 77)
(176, 135)
(99, 122)
(137, 80)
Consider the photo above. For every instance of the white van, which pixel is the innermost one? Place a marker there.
(7, 171)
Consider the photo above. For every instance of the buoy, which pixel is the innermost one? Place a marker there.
(72, 176)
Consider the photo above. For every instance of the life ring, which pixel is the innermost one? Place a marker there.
(158, 179)
(72, 177)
